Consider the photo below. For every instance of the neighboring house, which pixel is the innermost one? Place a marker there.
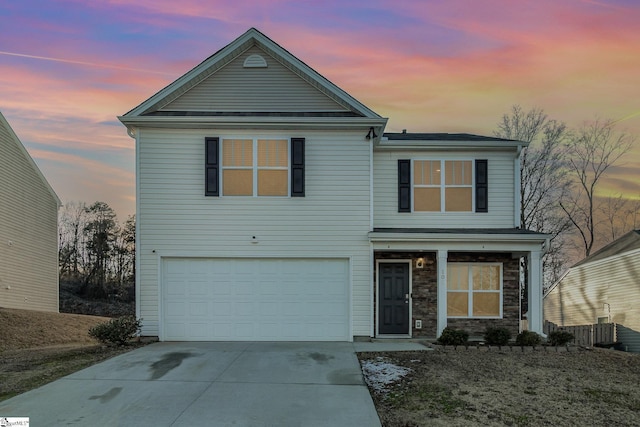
(271, 206)
(28, 229)
(602, 288)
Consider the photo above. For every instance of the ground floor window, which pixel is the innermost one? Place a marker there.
(474, 290)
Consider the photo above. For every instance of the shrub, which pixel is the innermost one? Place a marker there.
(497, 336)
(560, 337)
(452, 336)
(116, 331)
(528, 338)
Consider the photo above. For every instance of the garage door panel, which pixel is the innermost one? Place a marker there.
(248, 299)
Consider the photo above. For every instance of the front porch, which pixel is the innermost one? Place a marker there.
(414, 296)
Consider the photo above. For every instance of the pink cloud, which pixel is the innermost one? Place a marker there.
(77, 178)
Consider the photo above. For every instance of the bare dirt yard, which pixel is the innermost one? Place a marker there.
(582, 387)
(37, 348)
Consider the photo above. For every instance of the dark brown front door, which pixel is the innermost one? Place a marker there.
(393, 298)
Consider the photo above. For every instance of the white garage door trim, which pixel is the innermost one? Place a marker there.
(261, 299)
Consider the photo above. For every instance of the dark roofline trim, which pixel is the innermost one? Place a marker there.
(488, 231)
(441, 137)
(252, 114)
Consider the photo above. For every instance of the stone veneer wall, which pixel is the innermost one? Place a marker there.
(425, 292)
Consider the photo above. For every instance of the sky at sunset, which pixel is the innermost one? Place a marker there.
(69, 67)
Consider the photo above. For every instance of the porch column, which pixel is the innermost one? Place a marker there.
(442, 292)
(534, 315)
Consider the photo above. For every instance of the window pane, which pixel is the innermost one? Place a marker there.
(273, 182)
(479, 280)
(418, 172)
(457, 277)
(237, 182)
(237, 152)
(426, 172)
(486, 277)
(273, 153)
(486, 304)
(495, 277)
(458, 199)
(426, 199)
(457, 172)
(457, 304)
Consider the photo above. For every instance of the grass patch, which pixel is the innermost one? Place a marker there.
(613, 397)
(20, 372)
(520, 420)
(432, 395)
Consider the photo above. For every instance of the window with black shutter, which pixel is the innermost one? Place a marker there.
(404, 185)
(212, 166)
(482, 186)
(297, 167)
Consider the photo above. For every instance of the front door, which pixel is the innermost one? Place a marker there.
(393, 298)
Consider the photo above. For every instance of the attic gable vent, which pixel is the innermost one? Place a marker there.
(254, 61)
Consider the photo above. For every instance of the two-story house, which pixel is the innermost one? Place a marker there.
(271, 205)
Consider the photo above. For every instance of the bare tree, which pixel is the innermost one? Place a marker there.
(620, 214)
(124, 253)
(71, 239)
(543, 180)
(591, 151)
(100, 231)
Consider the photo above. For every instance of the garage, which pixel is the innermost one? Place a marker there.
(221, 299)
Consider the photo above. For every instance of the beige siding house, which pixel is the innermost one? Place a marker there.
(602, 288)
(28, 229)
(270, 206)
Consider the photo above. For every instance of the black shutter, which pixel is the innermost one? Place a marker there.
(404, 185)
(482, 186)
(211, 167)
(297, 167)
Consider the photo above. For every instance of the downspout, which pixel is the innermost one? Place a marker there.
(372, 320)
(133, 133)
(516, 222)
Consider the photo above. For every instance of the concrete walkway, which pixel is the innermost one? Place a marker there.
(211, 384)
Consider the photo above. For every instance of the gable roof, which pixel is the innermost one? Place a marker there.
(12, 138)
(626, 243)
(150, 111)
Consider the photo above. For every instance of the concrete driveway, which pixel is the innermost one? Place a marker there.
(209, 384)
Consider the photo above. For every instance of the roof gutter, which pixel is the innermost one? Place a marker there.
(542, 239)
(342, 123)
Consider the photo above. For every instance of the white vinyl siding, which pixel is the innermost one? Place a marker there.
(603, 288)
(234, 88)
(177, 220)
(28, 232)
(501, 193)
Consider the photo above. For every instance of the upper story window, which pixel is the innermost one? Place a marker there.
(443, 185)
(474, 290)
(255, 167)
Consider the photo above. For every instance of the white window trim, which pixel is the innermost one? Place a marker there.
(470, 291)
(254, 168)
(442, 185)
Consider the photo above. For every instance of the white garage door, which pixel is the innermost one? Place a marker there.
(255, 299)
